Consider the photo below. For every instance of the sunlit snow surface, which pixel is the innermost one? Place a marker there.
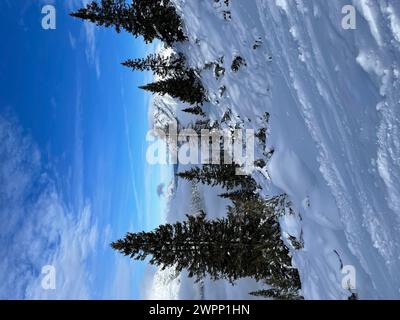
(334, 100)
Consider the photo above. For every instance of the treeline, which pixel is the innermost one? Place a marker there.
(261, 253)
(247, 243)
(151, 19)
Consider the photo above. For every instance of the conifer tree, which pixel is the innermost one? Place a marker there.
(240, 245)
(160, 65)
(187, 88)
(158, 19)
(239, 195)
(149, 18)
(108, 13)
(275, 259)
(219, 174)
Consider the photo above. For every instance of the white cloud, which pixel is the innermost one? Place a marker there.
(38, 227)
(90, 33)
(72, 40)
(92, 55)
(77, 242)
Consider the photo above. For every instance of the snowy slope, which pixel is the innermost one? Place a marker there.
(334, 100)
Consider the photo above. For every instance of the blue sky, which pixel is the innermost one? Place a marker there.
(73, 173)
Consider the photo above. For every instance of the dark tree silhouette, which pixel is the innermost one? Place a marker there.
(148, 18)
(244, 244)
(160, 65)
(108, 13)
(158, 19)
(220, 174)
(187, 88)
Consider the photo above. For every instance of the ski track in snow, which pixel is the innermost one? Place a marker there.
(334, 100)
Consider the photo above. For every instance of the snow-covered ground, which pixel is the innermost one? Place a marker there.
(334, 100)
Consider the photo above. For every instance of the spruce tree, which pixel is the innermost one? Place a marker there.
(187, 88)
(239, 195)
(219, 174)
(108, 13)
(278, 272)
(240, 245)
(148, 18)
(161, 66)
(158, 19)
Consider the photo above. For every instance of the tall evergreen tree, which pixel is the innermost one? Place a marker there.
(187, 88)
(219, 174)
(108, 13)
(160, 65)
(244, 244)
(158, 19)
(275, 258)
(149, 18)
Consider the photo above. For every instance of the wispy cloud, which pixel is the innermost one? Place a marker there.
(91, 52)
(138, 203)
(72, 40)
(38, 227)
(90, 33)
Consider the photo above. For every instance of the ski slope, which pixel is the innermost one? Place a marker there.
(334, 101)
